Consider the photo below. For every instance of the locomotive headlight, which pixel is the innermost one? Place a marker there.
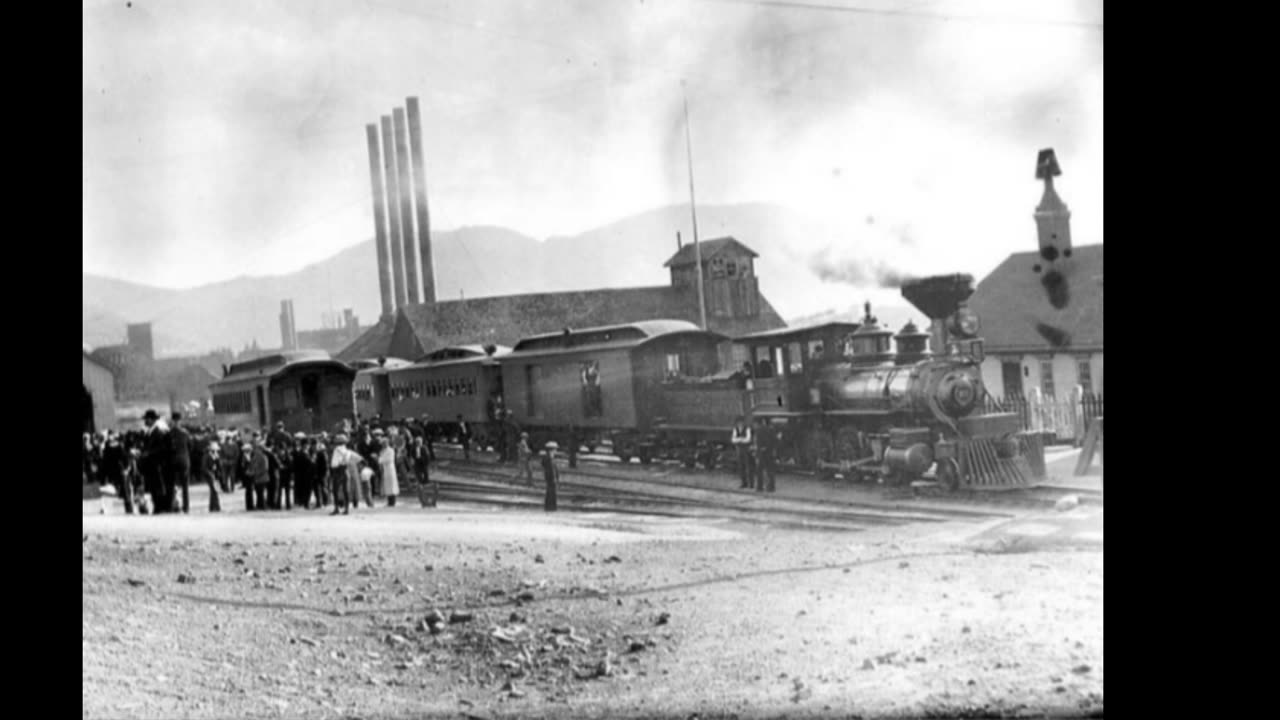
(966, 323)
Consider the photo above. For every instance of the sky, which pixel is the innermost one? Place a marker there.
(227, 138)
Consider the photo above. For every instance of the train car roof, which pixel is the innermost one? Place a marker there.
(608, 337)
(283, 363)
(455, 362)
(366, 366)
(789, 332)
(460, 352)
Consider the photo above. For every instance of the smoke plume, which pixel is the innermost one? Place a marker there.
(859, 273)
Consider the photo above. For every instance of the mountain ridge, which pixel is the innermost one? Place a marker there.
(477, 261)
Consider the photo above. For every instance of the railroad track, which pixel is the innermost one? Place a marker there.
(586, 490)
(975, 503)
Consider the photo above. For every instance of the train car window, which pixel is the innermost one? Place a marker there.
(816, 349)
(795, 359)
(779, 361)
(763, 368)
(592, 394)
(673, 365)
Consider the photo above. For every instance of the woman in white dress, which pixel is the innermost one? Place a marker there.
(387, 463)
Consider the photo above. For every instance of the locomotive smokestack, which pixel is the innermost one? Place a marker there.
(420, 200)
(406, 208)
(393, 212)
(938, 297)
(380, 223)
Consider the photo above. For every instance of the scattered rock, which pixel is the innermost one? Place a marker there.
(135, 583)
(1070, 502)
(497, 593)
(430, 568)
(517, 617)
(393, 639)
(525, 596)
(636, 646)
(904, 565)
(965, 629)
(461, 617)
(1081, 669)
(307, 641)
(613, 559)
(868, 665)
(536, 558)
(562, 630)
(663, 618)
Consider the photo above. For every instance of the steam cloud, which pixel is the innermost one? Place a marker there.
(857, 273)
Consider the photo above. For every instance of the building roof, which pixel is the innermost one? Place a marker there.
(708, 250)
(1016, 311)
(372, 343)
(611, 337)
(504, 320)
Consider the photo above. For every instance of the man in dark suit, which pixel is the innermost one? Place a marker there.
(179, 465)
(464, 437)
(151, 461)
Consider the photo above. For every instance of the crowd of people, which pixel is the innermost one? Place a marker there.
(151, 469)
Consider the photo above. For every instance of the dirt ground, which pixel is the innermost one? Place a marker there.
(457, 612)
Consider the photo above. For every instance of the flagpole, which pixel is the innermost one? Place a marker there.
(693, 210)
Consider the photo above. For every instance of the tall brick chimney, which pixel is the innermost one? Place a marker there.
(380, 222)
(420, 200)
(288, 331)
(406, 208)
(393, 211)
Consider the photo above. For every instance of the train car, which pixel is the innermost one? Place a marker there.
(455, 381)
(774, 382)
(588, 386)
(371, 389)
(306, 390)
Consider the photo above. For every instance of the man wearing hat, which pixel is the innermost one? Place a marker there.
(279, 437)
(550, 475)
(302, 472)
(151, 461)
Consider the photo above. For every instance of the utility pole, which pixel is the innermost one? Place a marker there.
(693, 210)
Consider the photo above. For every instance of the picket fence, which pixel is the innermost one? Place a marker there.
(1066, 420)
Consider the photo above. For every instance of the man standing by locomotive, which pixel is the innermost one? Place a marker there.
(741, 440)
(767, 441)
